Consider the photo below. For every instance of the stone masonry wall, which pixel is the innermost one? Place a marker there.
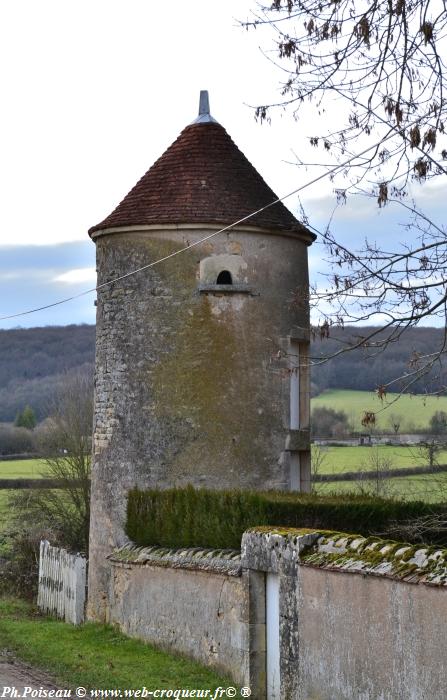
(359, 618)
(198, 603)
(186, 389)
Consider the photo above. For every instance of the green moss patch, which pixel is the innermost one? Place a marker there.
(414, 563)
(196, 558)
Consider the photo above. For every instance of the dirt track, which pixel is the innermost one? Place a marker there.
(17, 675)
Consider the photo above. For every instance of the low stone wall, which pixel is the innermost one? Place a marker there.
(359, 618)
(298, 615)
(197, 602)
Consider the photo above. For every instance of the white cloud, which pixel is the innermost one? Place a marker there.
(10, 276)
(77, 276)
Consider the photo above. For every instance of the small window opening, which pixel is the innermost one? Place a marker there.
(224, 277)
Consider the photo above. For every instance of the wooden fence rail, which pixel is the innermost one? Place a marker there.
(62, 583)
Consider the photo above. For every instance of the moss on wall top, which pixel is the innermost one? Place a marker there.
(372, 555)
(330, 550)
(223, 561)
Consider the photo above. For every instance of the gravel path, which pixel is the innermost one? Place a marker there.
(17, 676)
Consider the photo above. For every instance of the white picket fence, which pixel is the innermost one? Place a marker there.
(62, 583)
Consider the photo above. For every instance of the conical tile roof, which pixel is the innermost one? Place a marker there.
(201, 178)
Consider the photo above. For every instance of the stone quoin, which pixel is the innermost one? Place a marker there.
(186, 391)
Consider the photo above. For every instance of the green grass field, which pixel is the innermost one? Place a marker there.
(335, 460)
(22, 469)
(415, 411)
(16, 469)
(431, 488)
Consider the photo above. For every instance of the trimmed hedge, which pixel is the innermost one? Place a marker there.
(188, 517)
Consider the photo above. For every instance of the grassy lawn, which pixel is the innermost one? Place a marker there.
(415, 411)
(335, 460)
(16, 469)
(431, 488)
(21, 469)
(94, 656)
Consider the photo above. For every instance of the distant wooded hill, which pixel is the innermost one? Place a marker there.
(366, 369)
(33, 362)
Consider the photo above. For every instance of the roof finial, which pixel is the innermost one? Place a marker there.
(204, 109)
(204, 103)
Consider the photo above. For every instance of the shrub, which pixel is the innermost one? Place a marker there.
(19, 560)
(16, 440)
(187, 517)
(327, 422)
(438, 423)
(61, 514)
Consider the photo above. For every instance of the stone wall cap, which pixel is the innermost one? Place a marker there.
(413, 563)
(264, 547)
(223, 561)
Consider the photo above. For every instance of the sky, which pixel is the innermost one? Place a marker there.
(93, 92)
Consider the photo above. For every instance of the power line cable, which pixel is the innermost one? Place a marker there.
(206, 238)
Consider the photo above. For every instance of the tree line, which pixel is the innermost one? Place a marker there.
(34, 363)
(335, 365)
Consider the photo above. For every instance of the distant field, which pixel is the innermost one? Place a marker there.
(427, 487)
(16, 469)
(415, 411)
(335, 460)
(21, 469)
(431, 488)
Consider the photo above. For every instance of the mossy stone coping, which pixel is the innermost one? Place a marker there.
(330, 550)
(224, 561)
(369, 555)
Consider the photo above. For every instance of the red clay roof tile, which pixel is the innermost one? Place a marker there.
(201, 178)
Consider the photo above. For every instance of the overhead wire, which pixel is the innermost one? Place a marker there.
(205, 238)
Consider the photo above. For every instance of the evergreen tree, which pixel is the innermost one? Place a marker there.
(26, 418)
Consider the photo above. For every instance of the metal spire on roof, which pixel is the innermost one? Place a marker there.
(204, 109)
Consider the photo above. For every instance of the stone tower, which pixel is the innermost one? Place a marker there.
(186, 388)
